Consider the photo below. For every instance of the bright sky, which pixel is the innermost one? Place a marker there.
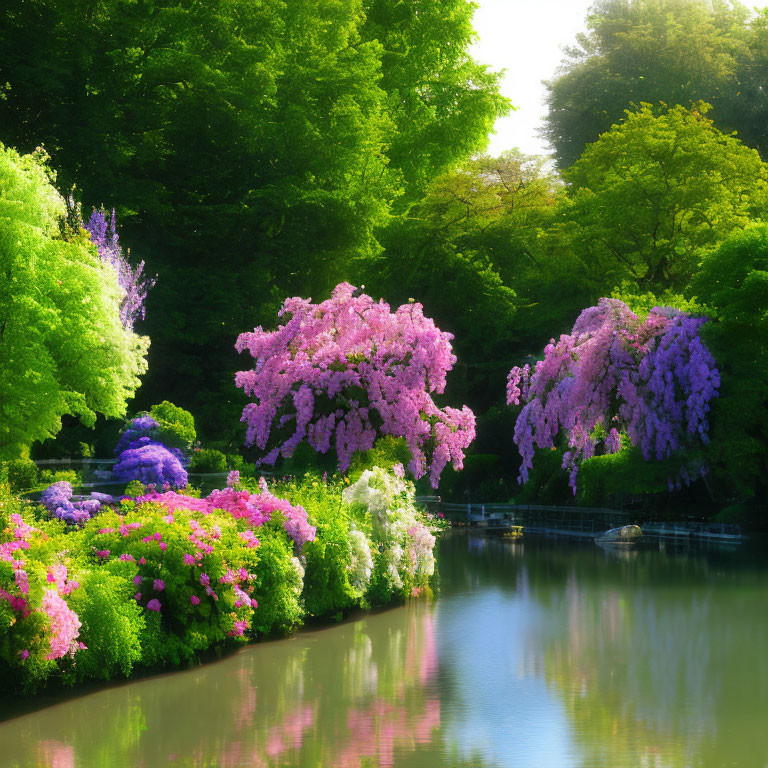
(525, 37)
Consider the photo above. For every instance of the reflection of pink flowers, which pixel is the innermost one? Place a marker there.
(289, 734)
(54, 754)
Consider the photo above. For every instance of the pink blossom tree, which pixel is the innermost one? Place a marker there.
(346, 371)
(616, 375)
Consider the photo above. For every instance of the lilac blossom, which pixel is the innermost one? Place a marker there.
(134, 285)
(615, 374)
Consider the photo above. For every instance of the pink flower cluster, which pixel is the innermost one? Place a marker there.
(65, 626)
(63, 622)
(257, 508)
(652, 380)
(10, 552)
(347, 370)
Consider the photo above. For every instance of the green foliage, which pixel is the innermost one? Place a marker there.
(657, 189)
(135, 488)
(51, 476)
(547, 481)
(112, 623)
(672, 51)
(278, 589)
(642, 303)
(176, 426)
(257, 148)
(207, 460)
(327, 588)
(63, 346)
(611, 479)
(732, 282)
(245, 468)
(22, 474)
(386, 452)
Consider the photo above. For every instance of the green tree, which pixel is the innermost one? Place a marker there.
(442, 102)
(63, 348)
(672, 51)
(733, 282)
(256, 148)
(655, 190)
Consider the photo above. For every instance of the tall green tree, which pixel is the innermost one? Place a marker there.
(63, 347)
(732, 282)
(672, 51)
(462, 250)
(654, 191)
(256, 148)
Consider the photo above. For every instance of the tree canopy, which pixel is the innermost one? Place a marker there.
(672, 51)
(655, 190)
(252, 150)
(63, 347)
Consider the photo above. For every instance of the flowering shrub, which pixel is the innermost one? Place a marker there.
(157, 579)
(57, 499)
(615, 375)
(402, 545)
(150, 463)
(176, 557)
(37, 626)
(134, 286)
(255, 508)
(346, 371)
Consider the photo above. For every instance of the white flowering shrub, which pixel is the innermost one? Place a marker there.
(402, 552)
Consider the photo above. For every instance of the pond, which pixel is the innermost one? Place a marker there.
(537, 653)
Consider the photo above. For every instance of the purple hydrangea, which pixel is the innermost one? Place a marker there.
(151, 463)
(138, 428)
(57, 499)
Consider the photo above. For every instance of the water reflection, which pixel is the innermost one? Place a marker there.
(537, 654)
(362, 694)
(640, 658)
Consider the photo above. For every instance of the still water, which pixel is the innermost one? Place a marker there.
(536, 653)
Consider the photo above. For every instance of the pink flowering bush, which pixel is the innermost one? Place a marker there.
(161, 578)
(175, 556)
(616, 377)
(255, 508)
(341, 373)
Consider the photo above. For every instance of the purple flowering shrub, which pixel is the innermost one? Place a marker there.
(151, 464)
(58, 501)
(346, 371)
(134, 285)
(616, 375)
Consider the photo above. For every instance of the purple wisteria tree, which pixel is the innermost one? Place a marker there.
(615, 375)
(346, 371)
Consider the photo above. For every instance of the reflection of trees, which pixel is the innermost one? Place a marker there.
(351, 696)
(656, 657)
(656, 667)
